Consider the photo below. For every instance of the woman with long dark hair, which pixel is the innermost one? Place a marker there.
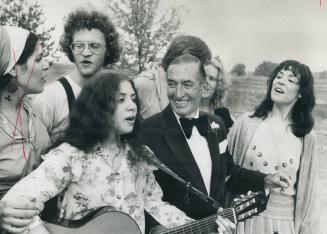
(278, 137)
(23, 137)
(101, 163)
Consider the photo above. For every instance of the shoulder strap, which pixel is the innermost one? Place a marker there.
(69, 91)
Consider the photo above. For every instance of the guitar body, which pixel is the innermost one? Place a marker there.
(112, 222)
(102, 221)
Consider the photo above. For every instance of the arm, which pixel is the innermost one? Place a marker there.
(166, 214)
(242, 180)
(51, 177)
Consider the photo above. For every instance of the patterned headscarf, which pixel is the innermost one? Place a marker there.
(12, 43)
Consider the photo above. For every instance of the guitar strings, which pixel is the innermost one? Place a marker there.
(208, 223)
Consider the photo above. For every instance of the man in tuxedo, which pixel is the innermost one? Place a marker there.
(194, 145)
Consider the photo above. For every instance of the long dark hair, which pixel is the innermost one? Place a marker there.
(90, 116)
(301, 114)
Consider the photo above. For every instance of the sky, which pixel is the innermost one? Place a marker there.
(240, 31)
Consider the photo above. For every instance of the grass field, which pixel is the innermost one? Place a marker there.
(245, 93)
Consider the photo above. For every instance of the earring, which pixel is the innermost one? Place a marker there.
(12, 88)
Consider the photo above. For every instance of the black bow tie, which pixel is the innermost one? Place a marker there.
(201, 123)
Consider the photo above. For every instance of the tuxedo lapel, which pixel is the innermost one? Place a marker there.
(213, 143)
(178, 144)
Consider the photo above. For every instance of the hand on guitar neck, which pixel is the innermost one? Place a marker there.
(244, 207)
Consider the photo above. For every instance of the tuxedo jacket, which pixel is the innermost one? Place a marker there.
(163, 135)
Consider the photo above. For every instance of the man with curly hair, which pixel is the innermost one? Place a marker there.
(90, 40)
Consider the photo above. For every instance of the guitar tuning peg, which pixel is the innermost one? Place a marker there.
(237, 201)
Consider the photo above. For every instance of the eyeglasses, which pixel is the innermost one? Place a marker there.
(94, 47)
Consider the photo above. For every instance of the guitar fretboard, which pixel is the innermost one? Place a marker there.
(204, 226)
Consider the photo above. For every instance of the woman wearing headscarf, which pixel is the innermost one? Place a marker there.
(23, 137)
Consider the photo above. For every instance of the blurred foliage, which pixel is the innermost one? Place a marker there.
(29, 15)
(265, 68)
(145, 31)
(239, 69)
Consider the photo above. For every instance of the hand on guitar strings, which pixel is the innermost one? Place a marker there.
(225, 226)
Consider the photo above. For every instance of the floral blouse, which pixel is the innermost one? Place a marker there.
(90, 181)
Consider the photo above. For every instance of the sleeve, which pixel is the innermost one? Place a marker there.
(166, 214)
(242, 180)
(308, 199)
(50, 178)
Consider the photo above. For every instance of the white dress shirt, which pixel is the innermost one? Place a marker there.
(199, 147)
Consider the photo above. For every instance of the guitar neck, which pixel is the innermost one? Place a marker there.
(206, 225)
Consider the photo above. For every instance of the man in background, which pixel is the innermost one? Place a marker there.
(90, 41)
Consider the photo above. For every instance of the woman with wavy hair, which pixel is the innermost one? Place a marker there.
(214, 91)
(101, 162)
(23, 137)
(278, 137)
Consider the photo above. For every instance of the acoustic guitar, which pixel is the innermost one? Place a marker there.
(102, 221)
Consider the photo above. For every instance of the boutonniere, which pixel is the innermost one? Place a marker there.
(214, 126)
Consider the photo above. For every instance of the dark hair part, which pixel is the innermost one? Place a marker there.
(185, 44)
(301, 114)
(90, 117)
(188, 58)
(83, 19)
(29, 48)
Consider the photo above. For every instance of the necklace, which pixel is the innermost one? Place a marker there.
(13, 125)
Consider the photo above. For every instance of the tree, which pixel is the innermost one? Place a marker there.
(145, 34)
(239, 69)
(29, 16)
(265, 68)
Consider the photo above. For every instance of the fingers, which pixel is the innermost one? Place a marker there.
(12, 229)
(23, 205)
(277, 180)
(19, 213)
(285, 178)
(16, 216)
(224, 225)
(281, 180)
(17, 222)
